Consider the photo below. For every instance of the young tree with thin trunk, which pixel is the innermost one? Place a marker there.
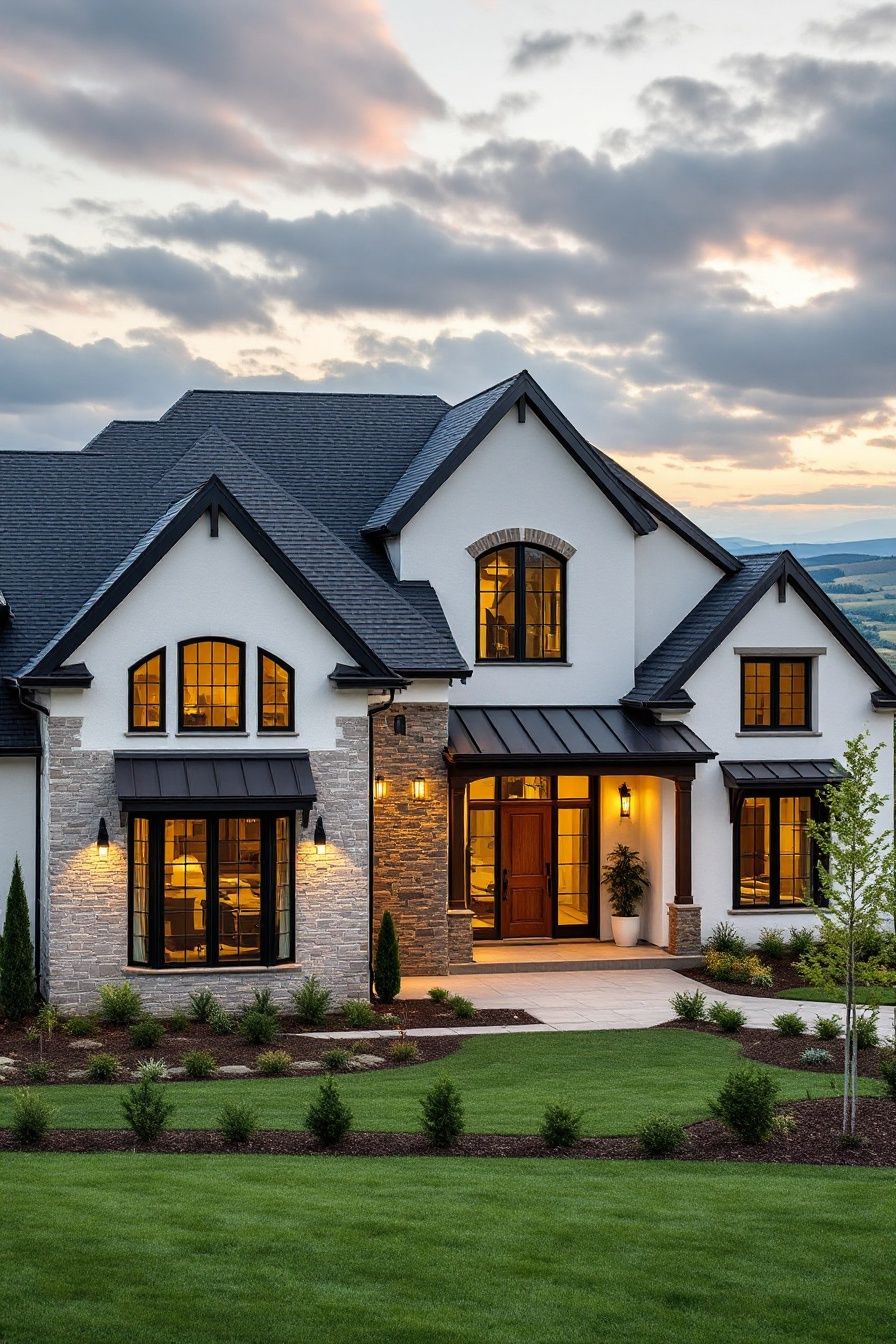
(854, 860)
(16, 952)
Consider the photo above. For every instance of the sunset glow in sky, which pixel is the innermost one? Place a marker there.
(681, 217)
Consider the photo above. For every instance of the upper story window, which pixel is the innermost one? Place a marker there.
(146, 694)
(521, 605)
(212, 685)
(776, 694)
(276, 695)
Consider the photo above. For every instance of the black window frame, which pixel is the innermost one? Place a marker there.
(215, 639)
(161, 654)
(155, 940)
(775, 726)
(291, 672)
(519, 655)
(774, 796)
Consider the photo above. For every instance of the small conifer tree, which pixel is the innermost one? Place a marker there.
(386, 962)
(17, 953)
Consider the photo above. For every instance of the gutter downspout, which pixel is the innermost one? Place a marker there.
(372, 711)
(28, 702)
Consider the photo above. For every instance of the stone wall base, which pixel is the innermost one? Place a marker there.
(460, 937)
(684, 930)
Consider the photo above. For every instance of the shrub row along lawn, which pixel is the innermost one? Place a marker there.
(619, 1078)
(152, 1250)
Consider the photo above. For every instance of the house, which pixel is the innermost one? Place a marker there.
(277, 662)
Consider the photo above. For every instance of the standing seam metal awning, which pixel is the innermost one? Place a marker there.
(195, 779)
(781, 774)
(603, 734)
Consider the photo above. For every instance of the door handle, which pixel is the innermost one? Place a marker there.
(504, 885)
(547, 873)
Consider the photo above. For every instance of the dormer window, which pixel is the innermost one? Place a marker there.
(212, 682)
(276, 695)
(146, 694)
(521, 605)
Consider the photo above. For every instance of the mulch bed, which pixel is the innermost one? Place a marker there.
(784, 976)
(770, 1047)
(816, 1142)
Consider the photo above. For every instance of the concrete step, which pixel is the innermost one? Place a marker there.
(666, 962)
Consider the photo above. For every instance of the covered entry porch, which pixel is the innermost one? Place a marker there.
(539, 797)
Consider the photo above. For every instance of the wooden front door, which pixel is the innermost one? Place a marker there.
(526, 871)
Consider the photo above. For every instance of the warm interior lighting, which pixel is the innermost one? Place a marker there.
(102, 838)
(625, 800)
(320, 836)
(380, 788)
(418, 789)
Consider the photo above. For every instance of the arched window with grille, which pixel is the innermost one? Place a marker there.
(520, 605)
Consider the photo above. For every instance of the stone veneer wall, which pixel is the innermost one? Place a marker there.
(410, 839)
(86, 900)
(684, 930)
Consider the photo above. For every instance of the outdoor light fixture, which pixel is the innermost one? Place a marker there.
(625, 801)
(102, 838)
(320, 836)
(380, 788)
(418, 789)
(400, 724)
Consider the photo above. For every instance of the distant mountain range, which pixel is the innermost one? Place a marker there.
(838, 550)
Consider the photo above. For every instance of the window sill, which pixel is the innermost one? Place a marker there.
(520, 662)
(778, 732)
(211, 970)
(766, 910)
(213, 732)
(276, 732)
(151, 732)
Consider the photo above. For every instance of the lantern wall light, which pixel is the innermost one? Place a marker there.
(380, 788)
(320, 836)
(418, 789)
(625, 801)
(102, 838)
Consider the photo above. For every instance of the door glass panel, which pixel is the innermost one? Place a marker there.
(140, 891)
(497, 604)
(282, 890)
(795, 850)
(239, 889)
(482, 788)
(572, 786)
(525, 786)
(755, 840)
(184, 895)
(573, 869)
(482, 867)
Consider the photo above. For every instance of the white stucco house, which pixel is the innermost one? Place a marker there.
(276, 663)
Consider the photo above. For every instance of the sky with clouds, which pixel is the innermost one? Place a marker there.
(681, 217)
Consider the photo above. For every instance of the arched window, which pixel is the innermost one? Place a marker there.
(521, 605)
(276, 698)
(212, 685)
(146, 694)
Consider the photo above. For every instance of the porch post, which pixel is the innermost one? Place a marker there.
(457, 896)
(684, 915)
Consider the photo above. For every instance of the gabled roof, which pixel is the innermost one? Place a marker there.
(660, 679)
(464, 426)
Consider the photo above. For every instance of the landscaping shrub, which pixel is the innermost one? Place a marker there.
(222, 1023)
(78, 1026)
(828, 1028)
(772, 943)
(866, 1031)
(31, 1116)
(273, 1063)
(387, 961)
(178, 1021)
(120, 1005)
(17, 987)
(740, 970)
(203, 1006)
(746, 1103)
(38, 1071)
(727, 1019)
(151, 1070)
(689, 1007)
(762, 977)
(199, 1064)
(102, 1067)
(816, 1057)
(725, 938)
(461, 1007)
(404, 1052)
(783, 1126)
(258, 1028)
(312, 1002)
(263, 1002)
(336, 1060)
(237, 1122)
(147, 1109)
(661, 1136)
(146, 1033)
(328, 1117)
(561, 1127)
(888, 1072)
(800, 942)
(439, 994)
(358, 1014)
(789, 1024)
(443, 1113)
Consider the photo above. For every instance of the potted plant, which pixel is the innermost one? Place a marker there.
(626, 880)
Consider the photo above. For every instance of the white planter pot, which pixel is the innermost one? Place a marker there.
(626, 931)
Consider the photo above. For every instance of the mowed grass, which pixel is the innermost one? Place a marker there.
(158, 1250)
(863, 995)
(619, 1078)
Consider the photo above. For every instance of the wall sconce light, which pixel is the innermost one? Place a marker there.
(380, 788)
(625, 801)
(418, 789)
(102, 838)
(320, 836)
(400, 724)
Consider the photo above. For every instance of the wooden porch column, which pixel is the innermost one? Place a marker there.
(683, 893)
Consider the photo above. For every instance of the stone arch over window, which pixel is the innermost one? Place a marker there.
(534, 536)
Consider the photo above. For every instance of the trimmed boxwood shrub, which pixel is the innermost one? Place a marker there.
(273, 1063)
(199, 1064)
(102, 1067)
(328, 1117)
(237, 1122)
(661, 1136)
(120, 1005)
(147, 1109)
(789, 1024)
(561, 1126)
(726, 1018)
(31, 1117)
(146, 1033)
(443, 1113)
(746, 1103)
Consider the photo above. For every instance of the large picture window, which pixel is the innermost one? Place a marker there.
(146, 694)
(520, 605)
(776, 694)
(276, 694)
(212, 685)
(774, 858)
(211, 890)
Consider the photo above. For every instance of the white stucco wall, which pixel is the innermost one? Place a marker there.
(521, 477)
(17, 826)
(670, 579)
(843, 709)
(648, 830)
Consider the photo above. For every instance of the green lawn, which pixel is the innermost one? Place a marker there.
(619, 1077)
(158, 1250)
(811, 995)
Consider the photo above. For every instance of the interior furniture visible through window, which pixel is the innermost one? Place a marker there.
(211, 890)
(776, 694)
(775, 863)
(146, 694)
(276, 694)
(520, 605)
(212, 685)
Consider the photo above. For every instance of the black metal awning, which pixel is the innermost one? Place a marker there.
(561, 737)
(214, 781)
(743, 778)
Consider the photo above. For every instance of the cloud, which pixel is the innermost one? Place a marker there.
(210, 87)
(636, 31)
(864, 28)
